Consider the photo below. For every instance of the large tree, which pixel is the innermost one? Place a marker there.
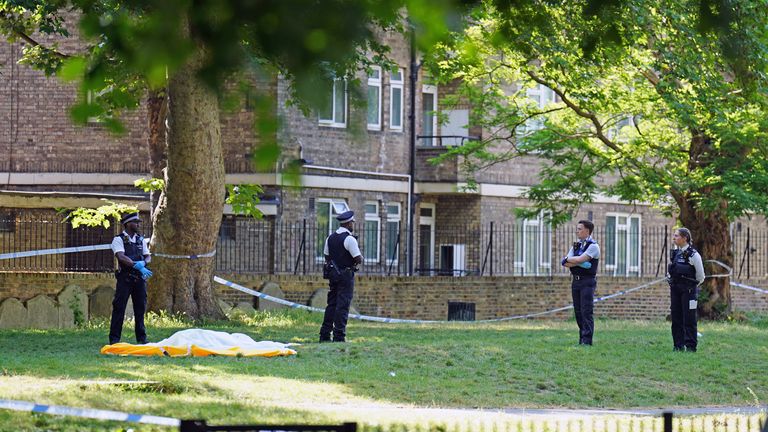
(187, 51)
(663, 110)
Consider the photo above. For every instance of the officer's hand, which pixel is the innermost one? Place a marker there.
(145, 273)
(138, 265)
(565, 260)
(586, 265)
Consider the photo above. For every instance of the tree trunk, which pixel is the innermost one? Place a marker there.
(157, 109)
(711, 237)
(188, 215)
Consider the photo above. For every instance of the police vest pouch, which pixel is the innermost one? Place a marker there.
(330, 271)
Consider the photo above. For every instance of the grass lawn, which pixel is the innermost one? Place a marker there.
(383, 368)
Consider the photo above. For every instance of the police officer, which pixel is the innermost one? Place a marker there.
(582, 261)
(342, 255)
(686, 273)
(132, 255)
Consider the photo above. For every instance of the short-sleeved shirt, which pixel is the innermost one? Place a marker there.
(593, 250)
(118, 246)
(350, 244)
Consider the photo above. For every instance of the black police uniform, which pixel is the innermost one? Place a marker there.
(129, 283)
(583, 292)
(682, 289)
(341, 285)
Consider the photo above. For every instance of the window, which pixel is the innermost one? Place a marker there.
(429, 114)
(533, 246)
(392, 246)
(228, 228)
(542, 96)
(325, 214)
(622, 244)
(374, 99)
(396, 99)
(371, 232)
(334, 114)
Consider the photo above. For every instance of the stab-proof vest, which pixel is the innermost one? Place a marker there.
(680, 268)
(340, 255)
(133, 250)
(581, 271)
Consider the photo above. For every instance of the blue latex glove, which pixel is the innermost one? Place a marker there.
(564, 261)
(138, 265)
(586, 265)
(145, 273)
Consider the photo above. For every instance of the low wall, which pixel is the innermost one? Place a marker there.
(408, 297)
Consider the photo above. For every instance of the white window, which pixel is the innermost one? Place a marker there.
(542, 96)
(371, 232)
(622, 244)
(326, 210)
(334, 113)
(396, 99)
(392, 245)
(374, 99)
(533, 246)
(429, 115)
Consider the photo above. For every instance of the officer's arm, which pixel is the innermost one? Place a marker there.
(358, 259)
(121, 258)
(327, 259)
(699, 266)
(576, 260)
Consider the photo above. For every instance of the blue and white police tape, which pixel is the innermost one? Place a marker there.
(749, 287)
(57, 251)
(88, 413)
(410, 321)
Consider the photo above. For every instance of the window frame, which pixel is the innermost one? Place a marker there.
(332, 211)
(430, 89)
(378, 83)
(393, 85)
(393, 219)
(372, 217)
(543, 232)
(333, 121)
(631, 270)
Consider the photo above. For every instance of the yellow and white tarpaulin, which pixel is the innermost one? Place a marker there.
(201, 343)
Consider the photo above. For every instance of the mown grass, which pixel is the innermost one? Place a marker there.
(522, 364)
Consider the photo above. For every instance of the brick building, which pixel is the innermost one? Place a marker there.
(354, 156)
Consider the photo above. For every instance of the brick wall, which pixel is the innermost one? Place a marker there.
(497, 297)
(420, 298)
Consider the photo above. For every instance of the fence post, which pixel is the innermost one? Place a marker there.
(664, 252)
(491, 247)
(300, 253)
(749, 251)
(667, 421)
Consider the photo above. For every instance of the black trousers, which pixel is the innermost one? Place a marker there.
(684, 331)
(135, 288)
(583, 293)
(341, 290)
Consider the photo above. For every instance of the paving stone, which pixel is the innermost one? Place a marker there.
(13, 314)
(73, 307)
(271, 289)
(43, 312)
(100, 301)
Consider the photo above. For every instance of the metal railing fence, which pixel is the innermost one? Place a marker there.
(491, 249)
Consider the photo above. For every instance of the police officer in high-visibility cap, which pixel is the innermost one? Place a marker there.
(132, 255)
(686, 273)
(342, 256)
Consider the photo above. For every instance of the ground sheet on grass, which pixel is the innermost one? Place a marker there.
(201, 343)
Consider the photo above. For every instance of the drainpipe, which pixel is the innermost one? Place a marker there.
(414, 75)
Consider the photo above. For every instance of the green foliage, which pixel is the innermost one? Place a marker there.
(100, 216)
(150, 184)
(77, 311)
(653, 113)
(243, 199)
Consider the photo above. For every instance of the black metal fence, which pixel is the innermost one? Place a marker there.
(492, 249)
